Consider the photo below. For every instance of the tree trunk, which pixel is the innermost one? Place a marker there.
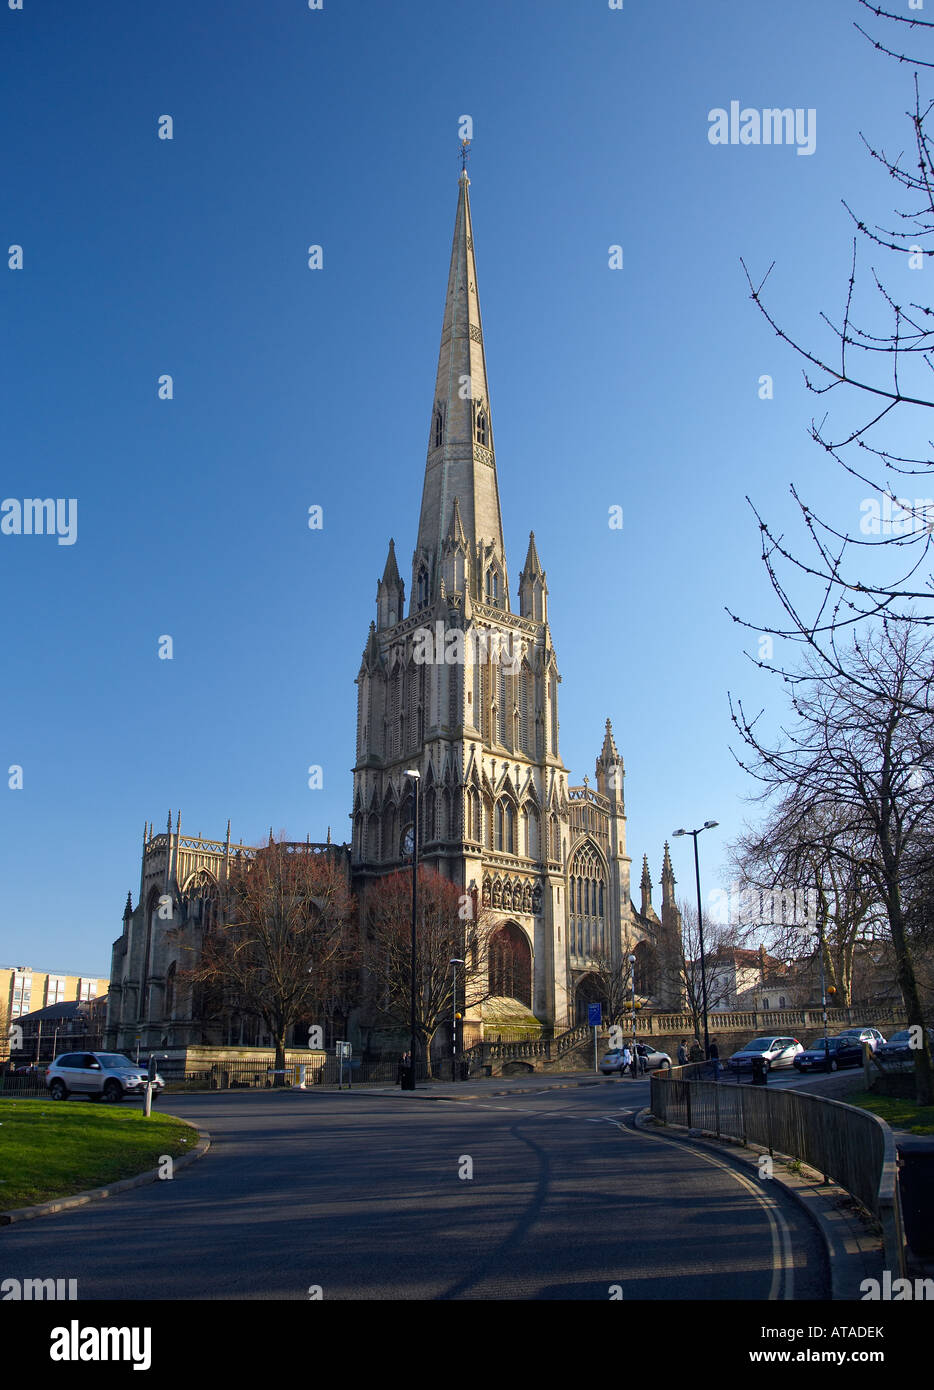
(279, 1064)
(905, 974)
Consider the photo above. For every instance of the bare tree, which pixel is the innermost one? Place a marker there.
(876, 360)
(721, 939)
(285, 936)
(614, 984)
(863, 750)
(448, 928)
(802, 862)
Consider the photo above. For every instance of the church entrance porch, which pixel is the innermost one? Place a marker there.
(590, 989)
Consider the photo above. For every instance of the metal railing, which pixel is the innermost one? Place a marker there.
(851, 1147)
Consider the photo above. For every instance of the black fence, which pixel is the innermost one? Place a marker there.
(30, 1083)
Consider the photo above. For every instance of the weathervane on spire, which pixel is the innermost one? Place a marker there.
(465, 154)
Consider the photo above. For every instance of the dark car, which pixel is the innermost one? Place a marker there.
(899, 1046)
(827, 1054)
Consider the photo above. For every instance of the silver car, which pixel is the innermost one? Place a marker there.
(773, 1051)
(613, 1060)
(870, 1035)
(107, 1075)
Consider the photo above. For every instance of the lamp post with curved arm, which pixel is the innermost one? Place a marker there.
(408, 1077)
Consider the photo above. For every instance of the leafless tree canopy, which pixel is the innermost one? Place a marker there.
(448, 927)
(284, 944)
(872, 366)
(859, 760)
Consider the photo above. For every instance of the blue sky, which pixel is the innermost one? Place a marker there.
(293, 387)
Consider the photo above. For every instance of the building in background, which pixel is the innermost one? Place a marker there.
(26, 991)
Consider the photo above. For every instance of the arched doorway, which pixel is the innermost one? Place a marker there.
(511, 965)
(589, 990)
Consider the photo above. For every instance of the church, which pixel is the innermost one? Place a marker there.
(459, 683)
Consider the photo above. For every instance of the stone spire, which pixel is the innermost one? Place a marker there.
(461, 462)
(646, 887)
(455, 566)
(390, 593)
(668, 880)
(610, 770)
(533, 591)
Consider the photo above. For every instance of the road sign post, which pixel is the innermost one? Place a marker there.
(595, 1019)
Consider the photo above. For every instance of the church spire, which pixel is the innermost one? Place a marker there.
(461, 462)
(646, 886)
(533, 591)
(668, 880)
(390, 594)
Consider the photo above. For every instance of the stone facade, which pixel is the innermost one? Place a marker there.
(462, 689)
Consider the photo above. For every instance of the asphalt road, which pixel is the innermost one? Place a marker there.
(366, 1195)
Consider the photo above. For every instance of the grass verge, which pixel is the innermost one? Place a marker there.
(52, 1149)
(900, 1113)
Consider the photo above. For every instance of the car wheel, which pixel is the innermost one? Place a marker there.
(113, 1091)
(58, 1091)
(833, 1065)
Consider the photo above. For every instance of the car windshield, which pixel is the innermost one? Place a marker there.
(763, 1043)
(902, 1036)
(112, 1060)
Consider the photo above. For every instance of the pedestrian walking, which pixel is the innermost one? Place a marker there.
(697, 1052)
(715, 1058)
(626, 1060)
(682, 1053)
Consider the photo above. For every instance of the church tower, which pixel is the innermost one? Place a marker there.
(465, 690)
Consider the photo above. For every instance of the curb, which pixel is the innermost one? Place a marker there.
(80, 1199)
(853, 1251)
(423, 1093)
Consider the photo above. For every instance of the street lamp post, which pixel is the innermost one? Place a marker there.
(408, 1079)
(454, 962)
(632, 980)
(708, 825)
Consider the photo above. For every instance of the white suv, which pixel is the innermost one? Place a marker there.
(109, 1075)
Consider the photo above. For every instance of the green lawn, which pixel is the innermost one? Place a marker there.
(53, 1148)
(900, 1114)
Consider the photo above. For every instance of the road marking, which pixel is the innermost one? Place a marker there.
(782, 1259)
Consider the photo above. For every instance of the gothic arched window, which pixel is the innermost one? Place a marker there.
(492, 587)
(421, 588)
(439, 428)
(482, 429)
(586, 900)
(511, 965)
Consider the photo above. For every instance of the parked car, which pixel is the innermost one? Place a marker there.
(870, 1035)
(827, 1054)
(899, 1045)
(109, 1075)
(613, 1060)
(774, 1051)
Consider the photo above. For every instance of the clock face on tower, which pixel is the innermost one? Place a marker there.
(408, 841)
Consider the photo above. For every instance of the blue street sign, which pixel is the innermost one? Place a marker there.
(595, 1015)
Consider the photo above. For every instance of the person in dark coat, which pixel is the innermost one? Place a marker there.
(682, 1053)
